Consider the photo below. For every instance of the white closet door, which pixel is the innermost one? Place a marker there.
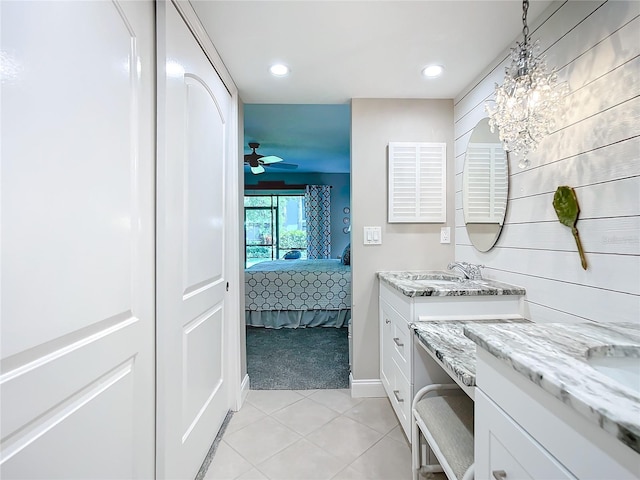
(193, 153)
(77, 257)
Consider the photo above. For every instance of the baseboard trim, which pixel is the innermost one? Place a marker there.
(366, 388)
(245, 386)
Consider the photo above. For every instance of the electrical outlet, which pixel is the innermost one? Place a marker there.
(445, 235)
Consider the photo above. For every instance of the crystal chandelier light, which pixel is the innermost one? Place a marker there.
(529, 99)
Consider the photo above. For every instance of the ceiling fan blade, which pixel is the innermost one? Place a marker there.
(257, 170)
(284, 166)
(270, 159)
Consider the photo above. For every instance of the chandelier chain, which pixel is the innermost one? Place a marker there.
(525, 27)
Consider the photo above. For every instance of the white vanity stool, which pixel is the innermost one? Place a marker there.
(443, 416)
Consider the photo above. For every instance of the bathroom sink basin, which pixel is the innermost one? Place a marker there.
(434, 277)
(439, 283)
(623, 368)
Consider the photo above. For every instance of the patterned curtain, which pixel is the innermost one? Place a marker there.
(317, 201)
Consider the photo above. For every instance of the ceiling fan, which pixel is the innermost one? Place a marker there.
(257, 162)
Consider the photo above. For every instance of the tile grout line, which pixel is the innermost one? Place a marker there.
(338, 414)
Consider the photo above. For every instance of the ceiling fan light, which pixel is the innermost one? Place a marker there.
(432, 71)
(279, 70)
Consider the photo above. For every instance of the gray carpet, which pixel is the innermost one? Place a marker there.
(297, 358)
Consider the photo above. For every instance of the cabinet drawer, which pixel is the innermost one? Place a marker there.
(400, 398)
(401, 352)
(399, 338)
(504, 450)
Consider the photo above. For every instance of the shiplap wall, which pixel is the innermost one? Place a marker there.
(595, 148)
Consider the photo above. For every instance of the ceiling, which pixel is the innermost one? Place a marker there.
(338, 50)
(317, 138)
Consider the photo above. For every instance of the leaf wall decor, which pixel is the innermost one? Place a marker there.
(565, 203)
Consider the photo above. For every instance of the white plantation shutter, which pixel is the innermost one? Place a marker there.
(417, 182)
(486, 186)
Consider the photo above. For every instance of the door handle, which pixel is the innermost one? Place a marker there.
(397, 342)
(499, 474)
(396, 393)
(387, 321)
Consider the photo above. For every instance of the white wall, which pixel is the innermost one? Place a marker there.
(340, 198)
(375, 123)
(595, 149)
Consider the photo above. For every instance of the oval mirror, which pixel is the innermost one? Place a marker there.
(485, 186)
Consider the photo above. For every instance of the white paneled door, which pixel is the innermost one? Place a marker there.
(77, 257)
(193, 150)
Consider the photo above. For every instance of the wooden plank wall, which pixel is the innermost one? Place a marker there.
(595, 148)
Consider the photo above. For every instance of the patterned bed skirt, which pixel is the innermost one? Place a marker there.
(297, 318)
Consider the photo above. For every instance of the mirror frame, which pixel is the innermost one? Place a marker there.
(490, 208)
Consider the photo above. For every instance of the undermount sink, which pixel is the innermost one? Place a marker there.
(439, 282)
(619, 363)
(443, 277)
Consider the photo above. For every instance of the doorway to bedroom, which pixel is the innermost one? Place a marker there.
(297, 216)
(297, 309)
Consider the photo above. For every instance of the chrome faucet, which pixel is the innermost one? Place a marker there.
(469, 270)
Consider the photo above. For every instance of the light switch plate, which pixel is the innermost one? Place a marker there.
(445, 235)
(372, 235)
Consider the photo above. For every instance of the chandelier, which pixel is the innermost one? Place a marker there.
(529, 99)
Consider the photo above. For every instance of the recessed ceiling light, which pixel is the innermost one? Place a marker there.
(279, 70)
(432, 71)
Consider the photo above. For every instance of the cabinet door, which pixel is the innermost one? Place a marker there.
(504, 450)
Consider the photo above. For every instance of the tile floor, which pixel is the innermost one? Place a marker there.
(309, 435)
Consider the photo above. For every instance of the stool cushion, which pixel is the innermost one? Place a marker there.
(449, 419)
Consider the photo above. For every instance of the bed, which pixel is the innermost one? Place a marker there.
(298, 293)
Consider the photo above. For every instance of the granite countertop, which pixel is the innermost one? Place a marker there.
(436, 283)
(553, 356)
(446, 340)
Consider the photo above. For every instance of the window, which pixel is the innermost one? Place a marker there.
(273, 226)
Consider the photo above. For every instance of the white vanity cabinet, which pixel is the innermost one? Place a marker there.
(404, 369)
(521, 431)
